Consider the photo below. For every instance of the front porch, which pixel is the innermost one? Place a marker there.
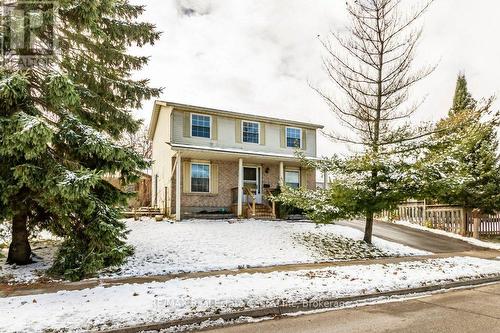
(218, 183)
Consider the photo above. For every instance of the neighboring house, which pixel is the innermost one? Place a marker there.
(207, 160)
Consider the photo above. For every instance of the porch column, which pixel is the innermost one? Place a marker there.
(178, 188)
(240, 187)
(282, 175)
(325, 179)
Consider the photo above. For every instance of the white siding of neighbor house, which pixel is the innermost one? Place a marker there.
(162, 158)
(226, 136)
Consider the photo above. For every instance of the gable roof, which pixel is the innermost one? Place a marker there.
(231, 114)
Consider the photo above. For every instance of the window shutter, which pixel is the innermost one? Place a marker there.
(187, 125)
(214, 128)
(186, 176)
(237, 130)
(214, 178)
(262, 134)
(303, 178)
(282, 137)
(304, 139)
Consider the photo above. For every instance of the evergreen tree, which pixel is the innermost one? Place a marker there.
(462, 166)
(462, 99)
(59, 120)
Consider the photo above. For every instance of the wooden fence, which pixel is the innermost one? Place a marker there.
(449, 218)
(490, 224)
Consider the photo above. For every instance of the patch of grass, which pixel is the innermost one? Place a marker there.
(336, 247)
(6, 278)
(493, 239)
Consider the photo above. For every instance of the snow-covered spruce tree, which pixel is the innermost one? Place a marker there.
(371, 67)
(462, 166)
(58, 123)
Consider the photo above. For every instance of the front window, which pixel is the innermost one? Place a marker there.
(292, 178)
(200, 126)
(200, 177)
(293, 137)
(250, 132)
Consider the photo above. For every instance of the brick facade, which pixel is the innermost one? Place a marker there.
(227, 180)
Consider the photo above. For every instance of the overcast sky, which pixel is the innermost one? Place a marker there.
(261, 56)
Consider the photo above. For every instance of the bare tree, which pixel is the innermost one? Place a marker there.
(139, 142)
(371, 65)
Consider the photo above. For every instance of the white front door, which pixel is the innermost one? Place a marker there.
(252, 179)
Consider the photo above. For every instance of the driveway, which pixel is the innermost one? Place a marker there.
(474, 310)
(415, 238)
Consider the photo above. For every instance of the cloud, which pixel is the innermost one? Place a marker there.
(261, 56)
(194, 7)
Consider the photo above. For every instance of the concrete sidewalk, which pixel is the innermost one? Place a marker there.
(52, 287)
(474, 310)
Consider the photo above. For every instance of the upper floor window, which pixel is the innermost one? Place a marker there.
(200, 126)
(250, 132)
(293, 137)
(200, 177)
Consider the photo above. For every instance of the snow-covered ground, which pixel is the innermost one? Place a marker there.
(202, 245)
(44, 252)
(131, 304)
(473, 241)
(44, 247)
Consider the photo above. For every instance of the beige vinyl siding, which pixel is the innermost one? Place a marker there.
(272, 136)
(162, 160)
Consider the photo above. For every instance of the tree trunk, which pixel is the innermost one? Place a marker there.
(20, 249)
(368, 227)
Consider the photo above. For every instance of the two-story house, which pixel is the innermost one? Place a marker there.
(208, 160)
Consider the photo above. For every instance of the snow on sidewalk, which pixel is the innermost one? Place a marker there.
(124, 305)
(202, 245)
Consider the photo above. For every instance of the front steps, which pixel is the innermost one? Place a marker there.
(262, 212)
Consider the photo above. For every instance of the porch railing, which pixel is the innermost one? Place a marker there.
(272, 206)
(250, 194)
(250, 199)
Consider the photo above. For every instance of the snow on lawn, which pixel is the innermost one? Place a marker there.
(43, 254)
(201, 245)
(43, 247)
(131, 304)
(473, 241)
